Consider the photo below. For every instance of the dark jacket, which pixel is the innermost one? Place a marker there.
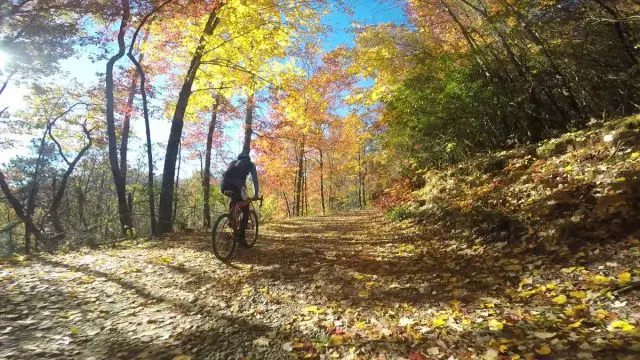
(235, 177)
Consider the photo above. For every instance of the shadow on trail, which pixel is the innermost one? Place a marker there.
(366, 262)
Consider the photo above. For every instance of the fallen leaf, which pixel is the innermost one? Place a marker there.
(544, 350)
(576, 324)
(336, 340)
(287, 347)
(405, 321)
(416, 356)
(491, 354)
(495, 325)
(182, 357)
(261, 341)
(561, 299)
(433, 351)
(544, 334)
(578, 294)
(624, 278)
(621, 325)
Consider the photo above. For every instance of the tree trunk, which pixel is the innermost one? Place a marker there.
(322, 182)
(145, 112)
(126, 126)
(537, 40)
(166, 194)
(295, 193)
(306, 194)
(175, 197)
(364, 182)
(60, 191)
(299, 175)
(286, 202)
(621, 31)
(206, 172)
(248, 125)
(359, 181)
(20, 212)
(126, 220)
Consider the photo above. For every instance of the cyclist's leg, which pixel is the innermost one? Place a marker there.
(245, 213)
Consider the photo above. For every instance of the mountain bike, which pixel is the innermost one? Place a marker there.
(224, 240)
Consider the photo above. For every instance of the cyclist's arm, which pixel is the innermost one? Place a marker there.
(254, 177)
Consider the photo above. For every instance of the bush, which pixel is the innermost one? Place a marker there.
(403, 212)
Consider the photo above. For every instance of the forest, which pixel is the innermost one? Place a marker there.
(400, 143)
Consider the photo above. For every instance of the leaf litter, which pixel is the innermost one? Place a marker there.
(299, 295)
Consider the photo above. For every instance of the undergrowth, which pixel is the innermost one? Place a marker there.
(581, 187)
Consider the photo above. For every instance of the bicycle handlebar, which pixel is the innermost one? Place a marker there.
(261, 198)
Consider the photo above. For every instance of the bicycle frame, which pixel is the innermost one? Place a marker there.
(235, 210)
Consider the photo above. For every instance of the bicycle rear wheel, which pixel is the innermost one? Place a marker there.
(251, 234)
(222, 238)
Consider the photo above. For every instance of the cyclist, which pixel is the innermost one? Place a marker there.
(233, 185)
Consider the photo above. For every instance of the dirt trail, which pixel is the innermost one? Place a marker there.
(349, 286)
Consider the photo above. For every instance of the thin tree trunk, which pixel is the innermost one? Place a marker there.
(145, 111)
(621, 31)
(359, 181)
(364, 181)
(126, 126)
(306, 194)
(206, 172)
(322, 183)
(299, 175)
(469, 39)
(537, 40)
(295, 193)
(175, 197)
(19, 210)
(286, 202)
(126, 220)
(59, 194)
(248, 124)
(166, 194)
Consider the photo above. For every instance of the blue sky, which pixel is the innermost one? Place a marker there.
(366, 12)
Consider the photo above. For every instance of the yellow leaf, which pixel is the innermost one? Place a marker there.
(503, 348)
(358, 276)
(313, 309)
(601, 314)
(621, 325)
(544, 350)
(364, 293)
(514, 267)
(624, 278)
(560, 299)
(182, 357)
(439, 321)
(576, 324)
(336, 340)
(74, 329)
(495, 324)
(578, 294)
(599, 279)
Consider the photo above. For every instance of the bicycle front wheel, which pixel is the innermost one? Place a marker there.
(222, 238)
(251, 234)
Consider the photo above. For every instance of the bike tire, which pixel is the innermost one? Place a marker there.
(218, 235)
(249, 243)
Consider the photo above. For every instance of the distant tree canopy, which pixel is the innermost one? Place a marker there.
(475, 75)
